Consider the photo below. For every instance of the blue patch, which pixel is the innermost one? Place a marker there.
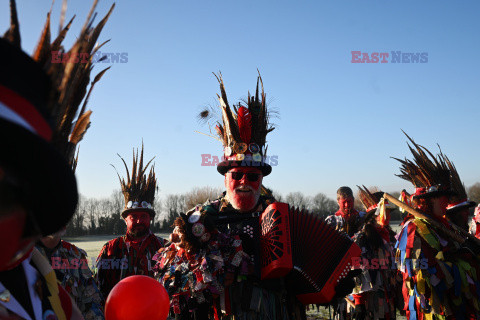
(49, 315)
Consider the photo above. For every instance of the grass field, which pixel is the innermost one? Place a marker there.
(93, 244)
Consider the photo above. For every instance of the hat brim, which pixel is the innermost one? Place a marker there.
(467, 205)
(53, 192)
(151, 212)
(226, 165)
(435, 194)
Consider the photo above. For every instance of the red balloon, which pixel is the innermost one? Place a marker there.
(137, 297)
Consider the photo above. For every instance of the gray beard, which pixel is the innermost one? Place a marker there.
(234, 205)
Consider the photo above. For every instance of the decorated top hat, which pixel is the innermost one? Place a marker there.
(459, 199)
(429, 174)
(38, 104)
(243, 130)
(139, 188)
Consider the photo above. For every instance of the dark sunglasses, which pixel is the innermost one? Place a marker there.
(251, 176)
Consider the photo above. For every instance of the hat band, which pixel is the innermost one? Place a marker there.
(20, 111)
(136, 205)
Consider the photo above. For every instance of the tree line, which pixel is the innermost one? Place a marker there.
(103, 216)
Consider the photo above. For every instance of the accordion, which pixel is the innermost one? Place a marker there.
(301, 247)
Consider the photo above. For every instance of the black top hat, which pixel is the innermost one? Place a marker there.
(25, 140)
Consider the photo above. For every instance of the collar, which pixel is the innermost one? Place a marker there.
(352, 214)
(13, 305)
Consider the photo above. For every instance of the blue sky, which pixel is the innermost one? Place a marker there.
(339, 121)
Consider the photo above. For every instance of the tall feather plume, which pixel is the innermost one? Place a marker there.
(457, 184)
(248, 122)
(425, 169)
(69, 79)
(244, 120)
(230, 126)
(138, 186)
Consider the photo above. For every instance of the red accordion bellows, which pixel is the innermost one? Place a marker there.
(301, 246)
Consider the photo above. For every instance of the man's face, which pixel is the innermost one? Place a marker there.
(138, 224)
(243, 186)
(14, 245)
(439, 205)
(345, 204)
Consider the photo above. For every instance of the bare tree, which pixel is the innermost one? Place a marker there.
(91, 208)
(322, 205)
(297, 200)
(117, 201)
(173, 205)
(474, 192)
(200, 195)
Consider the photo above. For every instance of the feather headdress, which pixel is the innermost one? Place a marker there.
(242, 129)
(70, 77)
(139, 187)
(375, 204)
(429, 174)
(459, 199)
(369, 200)
(41, 113)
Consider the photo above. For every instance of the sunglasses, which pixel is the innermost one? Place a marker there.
(251, 176)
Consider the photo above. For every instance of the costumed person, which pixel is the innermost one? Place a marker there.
(132, 253)
(458, 203)
(34, 97)
(441, 273)
(375, 290)
(347, 219)
(475, 223)
(71, 268)
(68, 261)
(212, 267)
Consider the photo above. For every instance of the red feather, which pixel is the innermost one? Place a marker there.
(244, 119)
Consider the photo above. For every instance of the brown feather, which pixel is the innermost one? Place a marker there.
(81, 126)
(13, 33)
(43, 51)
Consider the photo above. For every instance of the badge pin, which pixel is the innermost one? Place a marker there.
(254, 148)
(257, 157)
(5, 296)
(240, 156)
(194, 217)
(228, 151)
(241, 148)
(198, 229)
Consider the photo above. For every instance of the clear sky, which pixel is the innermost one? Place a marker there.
(339, 121)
